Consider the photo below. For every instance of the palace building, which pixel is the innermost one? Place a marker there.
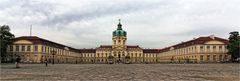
(34, 49)
(200, 50)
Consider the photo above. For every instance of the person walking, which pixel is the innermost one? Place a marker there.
(46, 62)
(18, 59)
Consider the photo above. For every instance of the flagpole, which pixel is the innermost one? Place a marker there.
(30, 30)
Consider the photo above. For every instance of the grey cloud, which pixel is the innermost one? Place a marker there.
(28, 7)
(150, 24)
(100, 10)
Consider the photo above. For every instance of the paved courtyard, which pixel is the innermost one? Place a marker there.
(120, 72)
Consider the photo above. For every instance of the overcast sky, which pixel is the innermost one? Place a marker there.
(149, 23)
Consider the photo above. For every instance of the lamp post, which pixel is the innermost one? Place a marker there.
(123, 56)
(1, 47)
(53, 53)
(114, 57)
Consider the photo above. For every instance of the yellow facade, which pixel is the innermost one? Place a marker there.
(201, 50)
(37, 53)
(211, 51)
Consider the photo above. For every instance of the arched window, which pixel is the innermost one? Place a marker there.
(119, 54)
(114, 54)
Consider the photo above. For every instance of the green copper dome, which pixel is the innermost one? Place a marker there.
(119, 31)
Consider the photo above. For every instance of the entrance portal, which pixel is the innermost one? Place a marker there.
(119, 58)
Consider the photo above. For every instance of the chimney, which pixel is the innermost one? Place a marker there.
(212, 36)
(194, 38)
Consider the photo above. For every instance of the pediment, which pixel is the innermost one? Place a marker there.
(22, 42)
(214, 42)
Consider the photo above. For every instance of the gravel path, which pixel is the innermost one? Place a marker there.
(121, 72)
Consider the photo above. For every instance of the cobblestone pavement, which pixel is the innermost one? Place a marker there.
(120, 72)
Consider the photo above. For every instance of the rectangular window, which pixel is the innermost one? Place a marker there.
(45, 49)
(183, 51)
(35, 58)
(201, 49)
(214, 58)
(23, 48)
(49, 50)
(35, 48)
(214, 48)
(192, 50)
(208, 48)
(201, 58)
(220, 58)
(189, 50)
(42, 48)
(17, 48)
(195, 49)
(11, 48)
(28, 48)
(220, 48)
(208, 58)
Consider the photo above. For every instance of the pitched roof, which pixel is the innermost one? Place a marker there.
(38, 40)
(133, 46)
(87, 50)
(105, 46)
(128, 46)
(151, 50)
(200, 40)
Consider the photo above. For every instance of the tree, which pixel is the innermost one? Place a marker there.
(234, 45)
(5, 36)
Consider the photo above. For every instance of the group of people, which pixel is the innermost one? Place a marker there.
(18, 60)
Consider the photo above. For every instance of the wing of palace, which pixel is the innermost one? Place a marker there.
(33, 49)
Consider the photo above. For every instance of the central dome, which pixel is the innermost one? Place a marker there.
(119, 31)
